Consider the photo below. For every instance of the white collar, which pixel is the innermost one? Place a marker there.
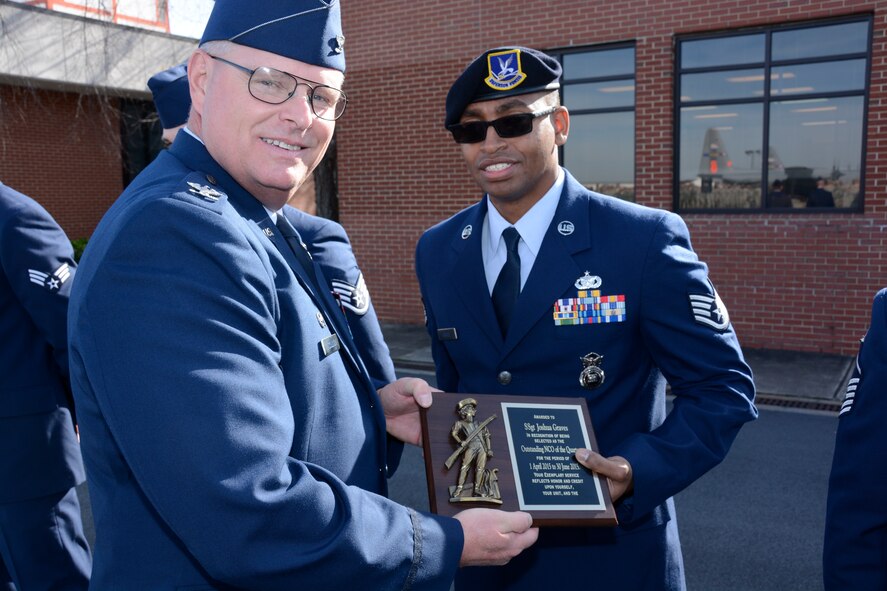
(534, 224)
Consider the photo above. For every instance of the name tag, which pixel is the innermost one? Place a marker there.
(447, 334)
(330, 345)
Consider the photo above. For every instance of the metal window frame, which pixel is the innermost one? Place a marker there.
(766, 101)
(559, 54)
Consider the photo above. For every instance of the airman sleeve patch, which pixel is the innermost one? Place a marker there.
(850, 393)
(354, 297)
(709, 310)
(51, 281)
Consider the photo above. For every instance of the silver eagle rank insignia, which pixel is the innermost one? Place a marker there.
(204, 191)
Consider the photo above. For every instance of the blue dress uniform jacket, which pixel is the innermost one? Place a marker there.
(635, 255)
(329, 245)
(228, 443)
(42, 544)
(41, 454)
(855, 548)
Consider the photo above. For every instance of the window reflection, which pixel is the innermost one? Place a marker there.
(793, 141)
(838, 39)
(720, 157)
(820, 77)
(723, 51)
(600, 95)
(599, 64)
(601, 154)
(819, 138)
(722, 85)
(599, 91)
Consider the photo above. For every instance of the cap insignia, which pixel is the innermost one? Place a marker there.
(505, 70)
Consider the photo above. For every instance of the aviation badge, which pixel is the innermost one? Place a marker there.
(205, 191)
(505, 70)
(592, 375)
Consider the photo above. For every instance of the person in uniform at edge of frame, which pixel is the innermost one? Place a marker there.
(42, 543)
(586, 277)
(327, 240)
(856, 519)
(172, 99)
(232, 436)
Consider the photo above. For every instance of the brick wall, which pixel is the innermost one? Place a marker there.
(799, 282)
(63, 150)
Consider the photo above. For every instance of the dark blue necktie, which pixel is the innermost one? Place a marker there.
(507, 286)
(297, 246)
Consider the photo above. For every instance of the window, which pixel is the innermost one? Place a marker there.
(598, 88)
(139, 135)
(773, 120)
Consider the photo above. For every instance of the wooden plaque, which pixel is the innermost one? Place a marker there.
(532, 466)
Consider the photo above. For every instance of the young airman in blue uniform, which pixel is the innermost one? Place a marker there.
(546, 288)
(42, 544)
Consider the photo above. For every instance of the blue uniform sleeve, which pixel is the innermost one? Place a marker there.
(856, 514)
(179, 335)
(687, 331)
(446, 373)
(38, 260)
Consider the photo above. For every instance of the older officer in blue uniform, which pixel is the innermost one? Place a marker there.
(327, 241)
(856, 515)
(42, 545)
(231, 434)
(546, 288)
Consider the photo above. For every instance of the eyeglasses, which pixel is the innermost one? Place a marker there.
(275, 87)
(506, 127)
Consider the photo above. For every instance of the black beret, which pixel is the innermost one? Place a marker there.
(501, 72)
(172, 97)
(308, 31)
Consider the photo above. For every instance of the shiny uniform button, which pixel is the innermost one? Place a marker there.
(504, 377)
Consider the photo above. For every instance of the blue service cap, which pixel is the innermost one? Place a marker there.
(172, 97)
(501, 72)
(308, 31)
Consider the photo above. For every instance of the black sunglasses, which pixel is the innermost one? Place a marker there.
(506, 127)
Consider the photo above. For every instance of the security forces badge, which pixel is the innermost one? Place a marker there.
(504, 69)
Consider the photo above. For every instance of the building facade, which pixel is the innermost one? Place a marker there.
(737, 115)
(76, 117)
